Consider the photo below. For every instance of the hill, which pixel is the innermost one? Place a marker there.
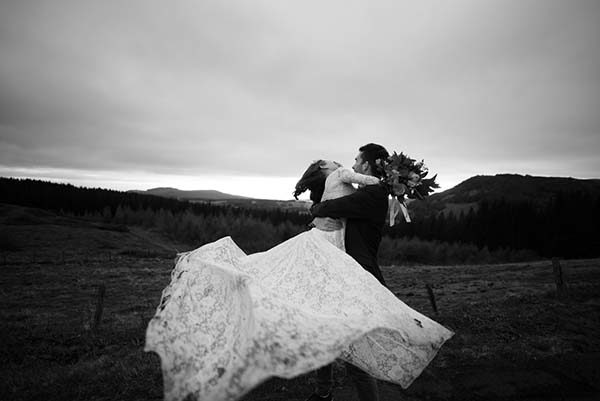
(512, 188)
(221, 198)
(553, 216)
(195, 195)
(515, 187)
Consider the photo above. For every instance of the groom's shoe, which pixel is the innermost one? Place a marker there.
(316, 397)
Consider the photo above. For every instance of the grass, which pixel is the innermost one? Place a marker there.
(514, 338)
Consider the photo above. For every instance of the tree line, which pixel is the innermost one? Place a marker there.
(565, 225)
(496, 231)
(194, 223)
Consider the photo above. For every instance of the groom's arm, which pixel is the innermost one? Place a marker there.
(354, 206)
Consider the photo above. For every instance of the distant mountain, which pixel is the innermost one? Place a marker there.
(509, 187)
(514, 187)
(220, 198)
(197, 195)
(466, 195)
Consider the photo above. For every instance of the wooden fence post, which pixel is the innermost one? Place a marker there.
(559, 278)
(431, 297)
(99, 307)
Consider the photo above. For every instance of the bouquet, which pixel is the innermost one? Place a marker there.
(405, 179)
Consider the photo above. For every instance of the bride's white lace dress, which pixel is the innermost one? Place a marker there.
(228, 321)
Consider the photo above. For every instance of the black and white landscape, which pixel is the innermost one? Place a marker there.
(133, 131)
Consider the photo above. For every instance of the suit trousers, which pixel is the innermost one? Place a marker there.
(365, 384)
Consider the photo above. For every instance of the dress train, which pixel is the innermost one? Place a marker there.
(228, 321)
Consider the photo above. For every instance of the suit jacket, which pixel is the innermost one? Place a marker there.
(365, 211)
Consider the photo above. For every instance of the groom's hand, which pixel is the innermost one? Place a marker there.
(327, 224)
(324, 223)
(316, 209)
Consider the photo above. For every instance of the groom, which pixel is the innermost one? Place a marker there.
(365, 211)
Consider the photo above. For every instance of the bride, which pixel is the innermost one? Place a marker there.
(228, 321)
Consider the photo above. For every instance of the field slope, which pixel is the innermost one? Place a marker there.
(514, 338)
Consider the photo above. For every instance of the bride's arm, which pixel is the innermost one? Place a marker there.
(350, 177)
(358, 205)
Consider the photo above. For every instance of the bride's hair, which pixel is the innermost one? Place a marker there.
(312, 180)
(370, 153)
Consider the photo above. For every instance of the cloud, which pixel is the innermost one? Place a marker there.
(262, 88)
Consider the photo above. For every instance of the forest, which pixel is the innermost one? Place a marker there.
(498, 231)
(567, 225)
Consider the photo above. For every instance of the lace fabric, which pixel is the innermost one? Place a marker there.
(338, 184)
(228, 321)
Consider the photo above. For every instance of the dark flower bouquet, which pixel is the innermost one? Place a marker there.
(405, 179)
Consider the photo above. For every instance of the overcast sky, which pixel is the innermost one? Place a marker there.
(240, 96)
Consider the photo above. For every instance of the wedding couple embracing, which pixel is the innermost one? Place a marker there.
(227, 321)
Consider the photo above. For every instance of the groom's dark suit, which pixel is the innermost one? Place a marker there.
(365, 211)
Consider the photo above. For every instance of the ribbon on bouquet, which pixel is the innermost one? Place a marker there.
(395, 207)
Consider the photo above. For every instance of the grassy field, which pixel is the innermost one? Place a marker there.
(514, 338)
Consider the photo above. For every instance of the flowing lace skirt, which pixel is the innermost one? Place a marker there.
(228, 321)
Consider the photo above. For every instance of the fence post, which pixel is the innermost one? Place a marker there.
(99, 307)
(431, 297)
(559, 278)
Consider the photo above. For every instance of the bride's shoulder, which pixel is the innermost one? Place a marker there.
(344, 172)
(336, 174)
(341, 175)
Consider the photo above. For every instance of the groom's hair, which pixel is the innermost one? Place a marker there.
(312, 180)
(371, 152)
